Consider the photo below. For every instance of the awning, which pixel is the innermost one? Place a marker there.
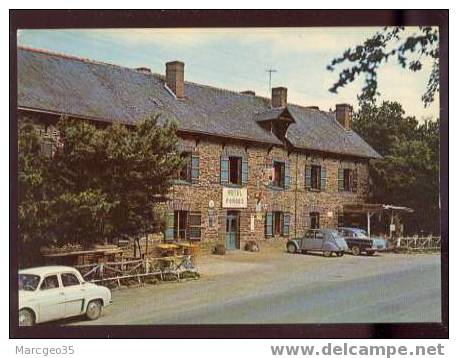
(371, 209)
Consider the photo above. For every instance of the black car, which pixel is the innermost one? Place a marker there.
(358, 241)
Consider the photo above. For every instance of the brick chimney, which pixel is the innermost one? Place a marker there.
(279, 97)
(174, 77)
(343, 115)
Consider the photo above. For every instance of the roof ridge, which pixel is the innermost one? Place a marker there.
(162, 76)
(97, 62)
(73, 57)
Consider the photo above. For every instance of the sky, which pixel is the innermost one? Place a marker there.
(237, 59)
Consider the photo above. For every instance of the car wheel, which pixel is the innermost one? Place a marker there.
(327, 253)
(291, 248)
(370, 253)
(340, 254)
(355, 250)
(26, 318)
(94, 310)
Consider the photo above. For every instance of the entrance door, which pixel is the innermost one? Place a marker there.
(232, 230)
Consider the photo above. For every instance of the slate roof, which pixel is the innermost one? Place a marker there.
(83, 88)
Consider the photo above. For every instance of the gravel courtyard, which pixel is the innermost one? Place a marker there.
(273, 286)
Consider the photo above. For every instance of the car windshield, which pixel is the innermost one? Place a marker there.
(360, 233)
(28, 282)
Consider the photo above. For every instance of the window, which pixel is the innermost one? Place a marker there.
(190, 170)
(47, 148)
(314, 220)
(277, 224)
(180, 224)
(183, 225)
(28, 282)
(315, 177)
(69, 279)
(348, 179)
(278, 178)
(280, 174)
(50, 282)
(194, 225)
(340, 219)
(347, 174)
(319, 235)
(185, 172)
(234, 170)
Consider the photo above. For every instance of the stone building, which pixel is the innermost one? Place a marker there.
(257, 168)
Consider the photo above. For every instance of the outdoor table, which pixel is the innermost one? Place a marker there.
(190, 249)
(167, 249)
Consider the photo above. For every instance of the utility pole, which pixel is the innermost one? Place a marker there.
(270, 71)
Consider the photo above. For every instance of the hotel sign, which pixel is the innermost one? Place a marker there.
(234, 198)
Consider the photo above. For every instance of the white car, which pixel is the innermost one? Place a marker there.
(53, 292)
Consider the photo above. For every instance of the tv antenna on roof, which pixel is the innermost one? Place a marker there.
(270, 71)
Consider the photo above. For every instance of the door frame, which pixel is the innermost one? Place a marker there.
(235, 214)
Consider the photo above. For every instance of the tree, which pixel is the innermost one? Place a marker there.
(408, 174)
(78, 171)
(32, 199)
(143, 162)
(382, 126)
(410, 52)
(101, 183)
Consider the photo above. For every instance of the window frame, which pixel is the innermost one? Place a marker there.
(315, 173)
(183, 228)
(50, 288)
(277, 219)
(191, 227)
(177, 220)
(347, 179)
(187, 168)
(69, 273)
(282, 182)
(281, 223)
(231, 159)
(316, 215)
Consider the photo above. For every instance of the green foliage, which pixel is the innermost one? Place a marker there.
(101, 182)
(408, 175)
(410, 52)
(33, 206)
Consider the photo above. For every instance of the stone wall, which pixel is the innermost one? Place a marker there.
(262, 198)
(297, 200)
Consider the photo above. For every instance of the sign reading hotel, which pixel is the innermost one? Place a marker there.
(234, 198)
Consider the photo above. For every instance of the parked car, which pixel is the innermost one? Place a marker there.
(53, 292)
(327, 241)
(358, 241)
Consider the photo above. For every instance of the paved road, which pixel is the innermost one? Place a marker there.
(276, 287)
